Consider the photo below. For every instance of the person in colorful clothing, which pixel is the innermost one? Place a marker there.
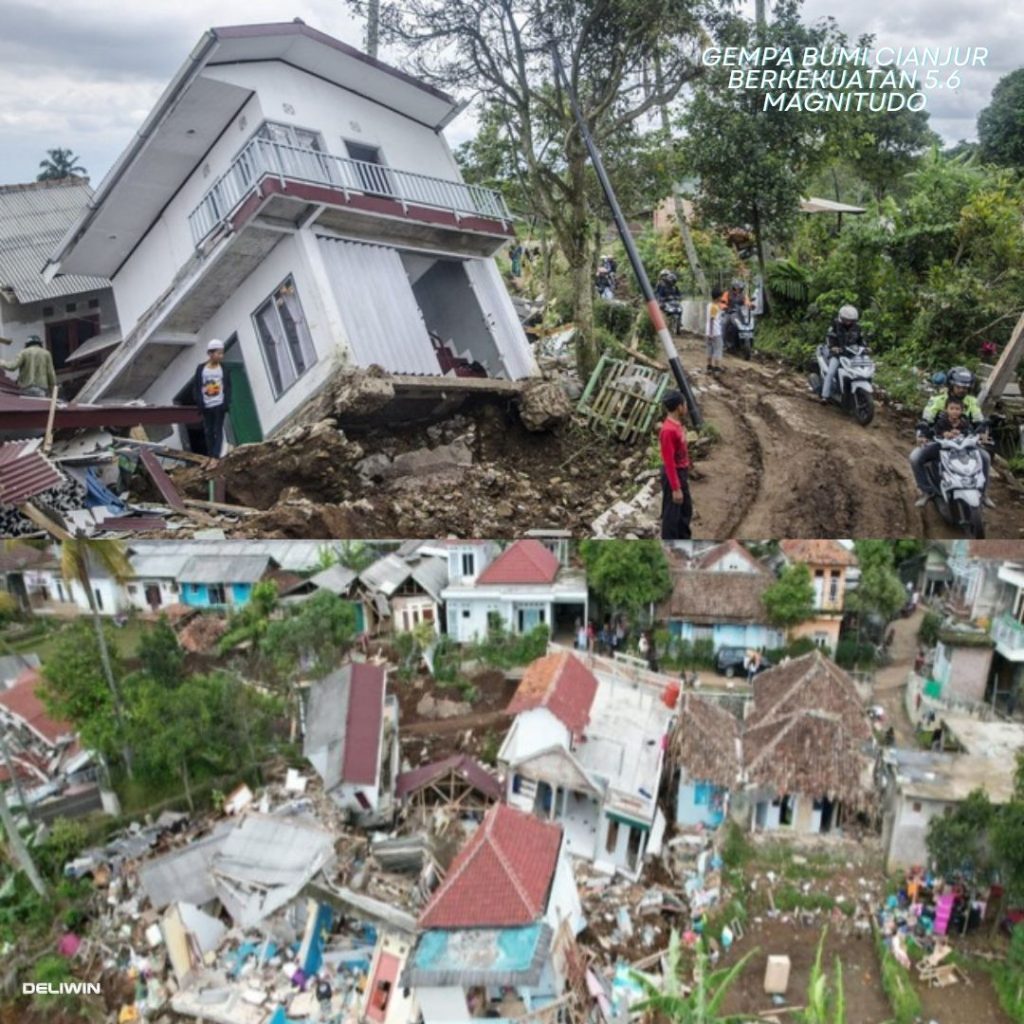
(213, 396)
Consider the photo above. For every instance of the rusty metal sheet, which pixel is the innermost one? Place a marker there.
(163, 482)
(23, 474)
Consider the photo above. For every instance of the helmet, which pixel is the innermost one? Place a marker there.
(34, 339)
(849, 314)
(960, 377)
(665, 274)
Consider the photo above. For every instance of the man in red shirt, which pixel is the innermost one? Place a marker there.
(676, 506)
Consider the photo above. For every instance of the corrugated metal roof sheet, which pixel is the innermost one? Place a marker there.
(387, 574)
(24, 473)
(33, 220)
(293, 555)
(225, 569)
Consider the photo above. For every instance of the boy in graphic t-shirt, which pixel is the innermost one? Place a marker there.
(213, 396)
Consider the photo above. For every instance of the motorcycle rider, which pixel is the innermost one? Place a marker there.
(667, 288)
(935, 421)
(843, 334)
(604, 284)
(734, 297)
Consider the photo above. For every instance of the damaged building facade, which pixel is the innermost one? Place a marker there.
(297, 199)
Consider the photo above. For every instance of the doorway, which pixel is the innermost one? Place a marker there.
(372, 173)
(153, 595)
(64, 336)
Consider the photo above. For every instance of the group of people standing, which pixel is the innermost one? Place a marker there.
(614, 638)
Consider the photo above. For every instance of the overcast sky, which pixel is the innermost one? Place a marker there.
(84, 73)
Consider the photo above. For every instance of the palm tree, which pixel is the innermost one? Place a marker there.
(678, 1003)
(59, 163)
(75, 558)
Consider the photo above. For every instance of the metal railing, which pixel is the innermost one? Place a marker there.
(263, 158)
(1008, 632)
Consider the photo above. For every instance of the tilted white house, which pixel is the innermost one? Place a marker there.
(297, 199)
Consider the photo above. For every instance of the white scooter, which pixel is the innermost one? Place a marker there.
(958, 477)
(852, 389)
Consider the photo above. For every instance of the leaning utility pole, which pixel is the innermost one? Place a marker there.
(18, 847)
(372, 27)
(653, 309)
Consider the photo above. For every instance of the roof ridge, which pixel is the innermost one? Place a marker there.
(507, 866)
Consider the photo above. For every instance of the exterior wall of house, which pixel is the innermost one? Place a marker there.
(732, 561)
(389, 958)
(110, 596)
(823, 631)
(135, 593)
(907, 828)
(564, 902)
(699, 803)
(754, 635)
(467, 613)
(442, 1005)
(290, 257)
(614, 842)
(481, 554)
(962, 671)
(19, 320)
(199, 595)
(345, 796)
(409, 612)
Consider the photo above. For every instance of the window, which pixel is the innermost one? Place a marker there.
(94, 303)
(636, 839)
(71, 307)
(517, 783)
(428, 614)
(371, 171)
(47, 310)
(284, 338)
(468, 564)
(60, 592)
(833, 587)
(612, 840)
(916, 806)
(216, 593)
(99, 598)
(465, 613)
(381, 995)
(821, 640)
(132, 589)
(299, 153)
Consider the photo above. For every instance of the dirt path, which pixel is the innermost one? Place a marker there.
(891, 681)
(787, 467)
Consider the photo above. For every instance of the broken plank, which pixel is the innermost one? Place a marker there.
(161, 480)
(494, 385)
(48, 436)
(220, 506)
(161, 449)
(29, 511)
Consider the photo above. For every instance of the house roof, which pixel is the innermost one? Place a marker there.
(337, 579)
(22, 701)
(501, 878)
(195, 109)
(706, 741)
(562, 684)
(387, 574)
(224, 569)
(708, 597)
(464, 766)
(527, 561)
(807, 731)
(706, 559)
(997, 550)
(33, 220)
(17, 557)
(25, 472)
(817, 552)
(344, 720)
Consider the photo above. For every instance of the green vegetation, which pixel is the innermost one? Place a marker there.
(928, 631)
(502, 648)
(626, 575)
(1008, 977)
(790, 599)
(826, 1001)
(898, 986)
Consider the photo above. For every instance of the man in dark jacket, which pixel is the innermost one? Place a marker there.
(213, 396)
(844, 333)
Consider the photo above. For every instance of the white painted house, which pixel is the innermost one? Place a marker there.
(524, 587)
(298, 199)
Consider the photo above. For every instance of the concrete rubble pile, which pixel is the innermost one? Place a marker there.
(232, 917)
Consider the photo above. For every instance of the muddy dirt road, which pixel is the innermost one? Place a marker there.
(786, 466)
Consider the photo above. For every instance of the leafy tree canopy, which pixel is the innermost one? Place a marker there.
(626, 575)
(790, 599)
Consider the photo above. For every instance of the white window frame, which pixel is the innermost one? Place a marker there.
(285, 350)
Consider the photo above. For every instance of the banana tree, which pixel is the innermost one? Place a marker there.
(826, 1004)
(680, 1003)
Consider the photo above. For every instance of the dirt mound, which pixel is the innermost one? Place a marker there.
(295, 517)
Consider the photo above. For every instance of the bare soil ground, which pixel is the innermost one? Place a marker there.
(783, 466)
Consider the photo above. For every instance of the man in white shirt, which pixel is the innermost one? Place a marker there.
(213, 396)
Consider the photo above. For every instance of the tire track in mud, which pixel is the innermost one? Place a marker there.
(786, 466)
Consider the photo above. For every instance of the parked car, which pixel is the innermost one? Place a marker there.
(729, 662)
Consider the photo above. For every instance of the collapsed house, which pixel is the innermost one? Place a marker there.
(494, 937)
(405, 591)
(586, 749)
(351, 738)
(297, 199)
(707, 754)
(73, 316)
(524, 587)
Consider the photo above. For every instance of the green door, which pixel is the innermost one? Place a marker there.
(245, 422)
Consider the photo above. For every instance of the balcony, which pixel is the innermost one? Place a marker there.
(265, 168)
(1008, 634)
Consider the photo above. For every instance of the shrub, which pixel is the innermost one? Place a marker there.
(928, 631)
(849, 654)
(617, 318)
(736, 849)
(898, 986)
(1009, 977)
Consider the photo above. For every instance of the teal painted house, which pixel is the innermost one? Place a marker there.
(218, 581)
(706, 757)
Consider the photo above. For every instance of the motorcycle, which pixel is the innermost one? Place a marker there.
(672, 310)
(852, 389)
(958, 480)
(739, 331)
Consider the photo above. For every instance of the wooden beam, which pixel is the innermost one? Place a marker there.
(29, 511)
(48, 437)
(220, 506)
(1005, 368)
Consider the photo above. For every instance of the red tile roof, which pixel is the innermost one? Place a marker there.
(562, 684)
(363, 723)
(526, 561)
(501, 878)
(464, 766)
(997, 550)
(22, 702)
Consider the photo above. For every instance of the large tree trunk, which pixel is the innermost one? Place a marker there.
(760, 260)
(18, 847)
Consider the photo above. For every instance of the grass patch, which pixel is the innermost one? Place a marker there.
(898, 986)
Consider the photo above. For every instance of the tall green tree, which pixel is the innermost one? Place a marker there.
(790, 599)
(958, 839)
(626, 575)
(78, 556)
(1001, 123)
(879, 589)
(502, 50)
(59, 163)
(162, 657)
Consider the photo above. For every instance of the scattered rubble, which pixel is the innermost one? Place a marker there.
(543, 405)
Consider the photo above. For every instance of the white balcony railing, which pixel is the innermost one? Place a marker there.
(1008, 633)
(263, 158)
